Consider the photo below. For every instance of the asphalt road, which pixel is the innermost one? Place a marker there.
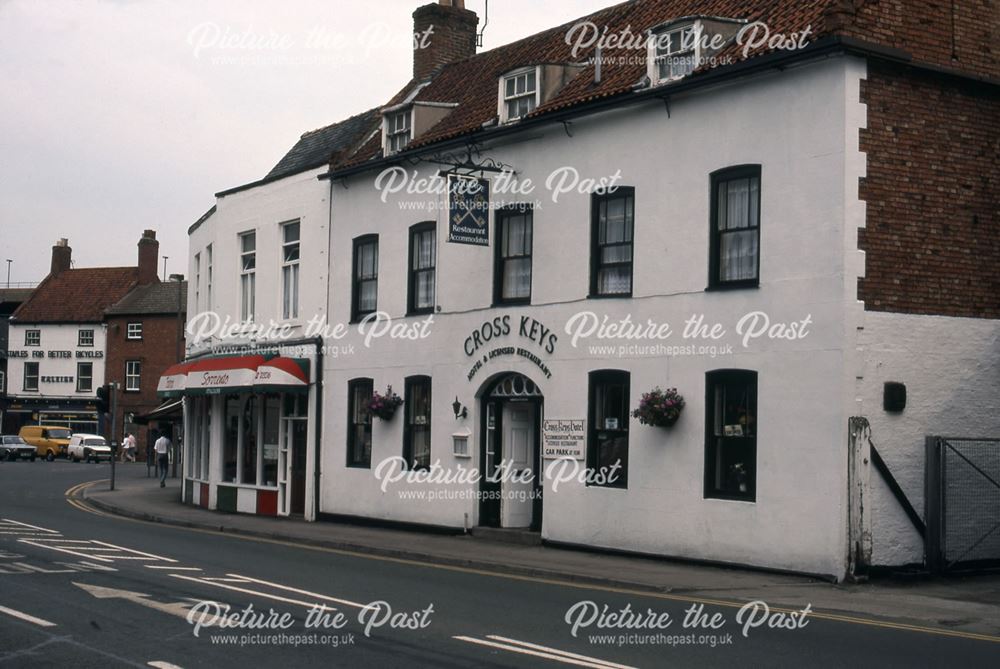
(81, 588)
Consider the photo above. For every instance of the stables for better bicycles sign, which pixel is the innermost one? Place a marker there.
(468, 210)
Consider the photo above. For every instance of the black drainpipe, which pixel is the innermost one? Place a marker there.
(319, 422)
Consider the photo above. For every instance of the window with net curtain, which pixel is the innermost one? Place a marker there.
(423, 258)
(612, 229)
(365, 298)
(512, 282)
(736, 227)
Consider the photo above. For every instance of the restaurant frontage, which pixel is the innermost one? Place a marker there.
(250, 429)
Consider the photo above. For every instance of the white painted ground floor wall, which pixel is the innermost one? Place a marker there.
(951, 368)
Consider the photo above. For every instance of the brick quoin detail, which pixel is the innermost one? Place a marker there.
(932, 241)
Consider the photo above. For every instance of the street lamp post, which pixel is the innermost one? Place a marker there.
(9, 261)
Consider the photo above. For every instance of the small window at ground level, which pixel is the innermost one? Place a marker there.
(731, 434)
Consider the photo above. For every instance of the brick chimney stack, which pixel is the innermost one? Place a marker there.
(62, 257)
(442, 33)
(149, 255)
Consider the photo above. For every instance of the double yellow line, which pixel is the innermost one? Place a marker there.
(813, 615)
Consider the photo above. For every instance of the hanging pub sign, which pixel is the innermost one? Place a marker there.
(468, 210)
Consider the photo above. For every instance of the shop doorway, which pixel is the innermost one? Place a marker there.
(510, 485)
(297, 439)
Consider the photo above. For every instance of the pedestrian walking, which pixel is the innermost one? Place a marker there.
(129, 449)
(162, 448)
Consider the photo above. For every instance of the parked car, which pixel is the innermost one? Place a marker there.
(88, 447)
(49, 441)
(13, 447)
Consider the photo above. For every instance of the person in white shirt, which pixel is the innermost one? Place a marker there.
(128, 452)
(162, 447)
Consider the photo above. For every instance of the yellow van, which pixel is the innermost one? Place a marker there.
(49, 441)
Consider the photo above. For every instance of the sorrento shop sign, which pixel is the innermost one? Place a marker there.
(543, 340)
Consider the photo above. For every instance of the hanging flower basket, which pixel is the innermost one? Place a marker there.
(660, 408)
(383, 406)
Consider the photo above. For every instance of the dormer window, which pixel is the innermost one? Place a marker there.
(398, 131)
(675, 53)
(518, 94)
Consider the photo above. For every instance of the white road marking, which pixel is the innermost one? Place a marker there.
(546, 649)
(179, 609)
(26, 617)
(593, 663)
(170, 567)
(226, 580)
(30, 542)
(308, 605)
(34, 527)
(160, 664)
(132, 550)
(61, 541)
(345, 602)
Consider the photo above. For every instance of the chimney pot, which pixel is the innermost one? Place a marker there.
(149, 256)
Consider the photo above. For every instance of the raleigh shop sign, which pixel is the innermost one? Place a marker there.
(468, 210)
(542, 339)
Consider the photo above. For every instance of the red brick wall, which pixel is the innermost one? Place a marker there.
(932, 190)
(453, 37)
(157, 350)
(954, 34)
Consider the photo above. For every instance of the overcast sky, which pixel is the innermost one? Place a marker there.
(118, 116)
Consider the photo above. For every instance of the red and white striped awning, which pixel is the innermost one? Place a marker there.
(283, 375)
(213, 376)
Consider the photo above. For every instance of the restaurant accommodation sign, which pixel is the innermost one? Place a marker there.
(564, 438)
(468, 210)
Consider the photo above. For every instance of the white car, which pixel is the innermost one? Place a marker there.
(88, 447)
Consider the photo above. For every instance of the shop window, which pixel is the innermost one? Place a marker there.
(364, 297)
(731, 434)
(612, 227)
(84, 377)
(735, 234)
(272, 432)
(607, 444)
(248, 445)
(421, 271)
(417, 430)
(230, 452)
(359, 423)
(512, 273)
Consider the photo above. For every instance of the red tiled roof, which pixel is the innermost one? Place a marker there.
(472, 83)
(77, 295)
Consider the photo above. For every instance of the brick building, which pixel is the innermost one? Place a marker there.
(145, 336)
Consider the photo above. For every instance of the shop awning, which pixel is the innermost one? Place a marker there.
(287, 375)
(169, 410)
(173, 381)
(231, 374)
(217, 375)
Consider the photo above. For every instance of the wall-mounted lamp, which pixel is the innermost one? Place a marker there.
(460, 411)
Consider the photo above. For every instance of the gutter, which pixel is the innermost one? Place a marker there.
(833, 44)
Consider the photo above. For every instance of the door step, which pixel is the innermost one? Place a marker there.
(508, 535)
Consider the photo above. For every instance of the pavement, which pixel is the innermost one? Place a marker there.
(966, 604)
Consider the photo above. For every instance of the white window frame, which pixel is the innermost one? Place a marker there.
(673, 40)
(503, 98)
(30, 340)
(398, 136)
(248, 277)
(291, 253)
(81, 341)
(133, 331)
(197, 281)
(80, 376)
(24, 377)
(208, 277)
(3, 382)
(133, 371)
